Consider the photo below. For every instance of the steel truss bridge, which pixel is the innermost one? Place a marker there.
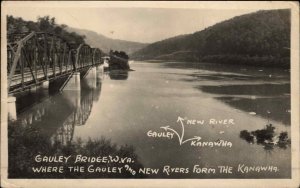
(36, 57)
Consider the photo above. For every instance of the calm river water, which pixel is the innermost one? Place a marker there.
(129, 109)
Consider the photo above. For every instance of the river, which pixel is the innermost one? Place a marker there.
(129, 108)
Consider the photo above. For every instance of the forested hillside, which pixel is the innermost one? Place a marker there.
(105, 43)
(43, 24)
(72, 35)
(260, 38)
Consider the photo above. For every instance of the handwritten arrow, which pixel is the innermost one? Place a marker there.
(180, 119)
(180, 138)
(190, 139)
(168, 128)
(165, 127)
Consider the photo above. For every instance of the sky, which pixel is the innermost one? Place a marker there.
(145, 25)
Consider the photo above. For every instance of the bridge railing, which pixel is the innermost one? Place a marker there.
(39, 56)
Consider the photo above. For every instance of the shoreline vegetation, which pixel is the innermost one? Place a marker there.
(260, 39)
(17, 26)
(28, 144)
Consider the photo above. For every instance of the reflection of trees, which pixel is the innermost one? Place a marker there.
(266, 100)
(64, 134)
(266, 137)
(27, 142)
(275, 108)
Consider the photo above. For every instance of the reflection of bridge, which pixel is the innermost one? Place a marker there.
(36, 58)
(57, 116)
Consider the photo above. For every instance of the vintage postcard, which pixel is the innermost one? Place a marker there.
(149, 94)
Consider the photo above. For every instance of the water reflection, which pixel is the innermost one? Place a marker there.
(74, 105)
(258, 72)
(266, 137)
(257, 89)
(275, 108)
(271, 101)
(29, 98)
(82, 103)
(53, 132)
(25, 143)
(218, 76)
(48, 129)
(118, 75)
(239, 76)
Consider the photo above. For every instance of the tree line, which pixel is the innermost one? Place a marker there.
(262, 37)
(43, 24)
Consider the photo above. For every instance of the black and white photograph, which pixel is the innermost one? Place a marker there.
(162, 93)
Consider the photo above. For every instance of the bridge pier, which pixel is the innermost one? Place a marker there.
(100, 68)
(73, 82)
(33, 89)
(11, 108)
(45, 85)
(92, 77)
(100, 71)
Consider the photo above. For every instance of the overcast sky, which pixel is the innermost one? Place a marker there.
(133, 24)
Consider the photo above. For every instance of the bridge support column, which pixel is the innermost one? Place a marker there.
(33, 89)
(45, 85)
(11, 108)
(74, 82)
(92, 77)
(100, 72)
(100, 68)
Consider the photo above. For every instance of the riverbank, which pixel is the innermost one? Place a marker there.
(258, 61)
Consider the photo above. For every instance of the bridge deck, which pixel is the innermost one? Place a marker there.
(39, 57)
(28, 80)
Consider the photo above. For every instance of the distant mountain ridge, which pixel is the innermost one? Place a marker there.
(105, 43)
(261, 38)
